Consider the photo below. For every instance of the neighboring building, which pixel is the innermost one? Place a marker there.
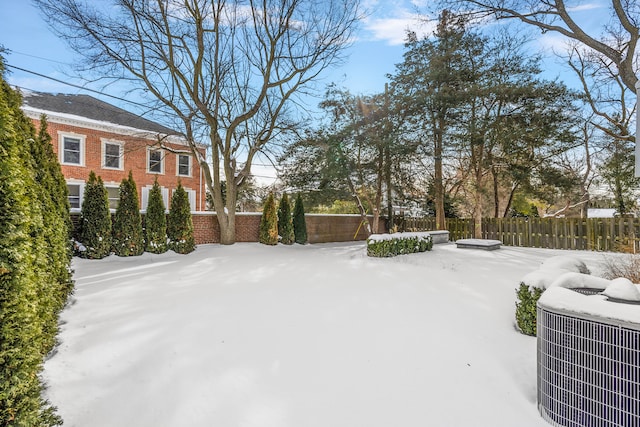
(92, 135)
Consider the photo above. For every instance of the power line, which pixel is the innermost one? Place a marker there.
(76, 86)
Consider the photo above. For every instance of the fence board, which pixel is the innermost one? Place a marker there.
(598, 234)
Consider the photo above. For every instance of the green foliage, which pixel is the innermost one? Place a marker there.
(31, 288)
(180, 224)
(398, 244)
(527, 298)
(156, 222)
(95, 219)
(285, 222)
(269, 222)
(127, 237)
(299, 222)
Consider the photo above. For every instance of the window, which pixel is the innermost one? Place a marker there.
(155, 163)
(145, 197)
(72, 150)
(184, 165)
(112, 155)
(114, 196)
(75, 193)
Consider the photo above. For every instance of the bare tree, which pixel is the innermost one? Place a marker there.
(227, 70)
(618, 42)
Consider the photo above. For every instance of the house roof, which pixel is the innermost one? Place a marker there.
(88, 107)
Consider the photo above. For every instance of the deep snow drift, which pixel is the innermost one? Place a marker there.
(299, 336)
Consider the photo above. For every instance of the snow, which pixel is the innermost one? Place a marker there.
(299, 336)
(595, 307)
(623, 289)
(399, 236)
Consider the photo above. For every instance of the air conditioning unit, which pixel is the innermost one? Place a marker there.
(588, 359)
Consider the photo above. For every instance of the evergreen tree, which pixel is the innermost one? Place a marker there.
(179, 223)
(285, 222)
(269, 222)
(299, 222)
(127, 234)
(95, 219)
(155, 222)
(55, 207)
(28, 302)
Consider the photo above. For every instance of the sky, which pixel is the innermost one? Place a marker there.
(377, 47)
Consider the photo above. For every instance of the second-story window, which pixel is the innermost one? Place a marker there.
(72, 150)
(112, 157)
(155, 164)
(184, 165)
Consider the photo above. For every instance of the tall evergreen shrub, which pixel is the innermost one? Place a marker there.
(180, 224)
(285, 222)
(299, 222)
(269, 222)
(127, 237)
(155, 222)
(29, 291)
(95, 219)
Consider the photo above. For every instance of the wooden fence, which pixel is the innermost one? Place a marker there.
(597, 234)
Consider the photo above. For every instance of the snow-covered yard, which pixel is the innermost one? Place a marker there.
(299, 336)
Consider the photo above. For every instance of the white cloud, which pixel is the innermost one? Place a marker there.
(393, 29)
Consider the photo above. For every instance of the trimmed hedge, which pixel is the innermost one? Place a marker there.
(526, 313)
(388, 245)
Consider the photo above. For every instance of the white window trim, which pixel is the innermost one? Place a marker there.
(81, 185)
(145, 197)
(115, 185)
(103, 155)
(149, 150)
(190, 174)
(82, 138)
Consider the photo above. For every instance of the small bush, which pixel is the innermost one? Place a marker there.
(526, 313)
(95, 219)
(299, 222)
(180, 224)
(389, 245)
(285, 222)
(155, 222)
(269, 222)
(127, 237)
(627, 266)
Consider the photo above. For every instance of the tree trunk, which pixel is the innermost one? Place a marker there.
(438, 180)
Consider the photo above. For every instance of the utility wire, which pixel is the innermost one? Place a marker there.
(76, 86)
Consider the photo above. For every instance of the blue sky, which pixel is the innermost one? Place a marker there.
(377, 48)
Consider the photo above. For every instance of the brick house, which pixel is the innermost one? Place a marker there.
(92, 135)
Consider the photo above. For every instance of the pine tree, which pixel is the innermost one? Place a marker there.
(285, 222)
(28, 302)
(95, 219)
(127, 234)
(179, 223)
(299, 222)
(269, 222)
(156, 222)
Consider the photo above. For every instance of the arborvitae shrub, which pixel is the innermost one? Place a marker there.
(285, 222)
(179, 223)
(269, 222)
(127, 234)
(299, 222)
(155, 222)
(526, 313)
(29, 291)
(95, 219)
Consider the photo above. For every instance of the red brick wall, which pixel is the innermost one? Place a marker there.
(320, 228)
(135, 160)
